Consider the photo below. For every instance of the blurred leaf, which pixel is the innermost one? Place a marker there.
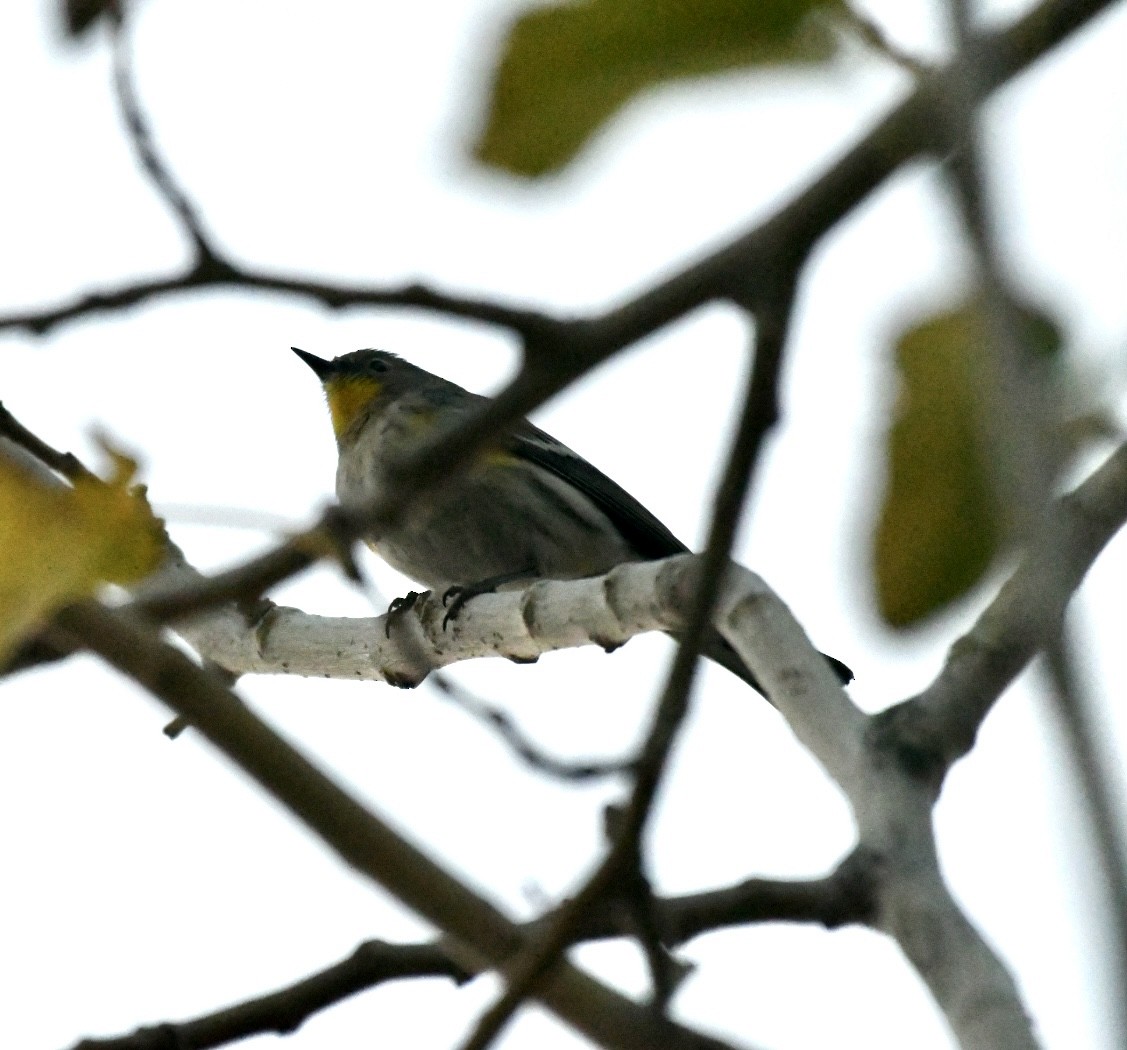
(58, 544)
(941, 524)
(565, 70)
(80, 15)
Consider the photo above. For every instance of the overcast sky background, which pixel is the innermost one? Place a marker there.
(145, 881)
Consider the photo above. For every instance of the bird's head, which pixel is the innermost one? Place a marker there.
(354, 381)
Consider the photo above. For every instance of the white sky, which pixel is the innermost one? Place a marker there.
(144, 881)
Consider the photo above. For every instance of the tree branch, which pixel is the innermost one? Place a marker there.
(1021, 421)
(875, 760)
(758, 415)
(1026, 614)
(843, 897)
(140, 135)
(873, 34)
(891, 801)
(901, 136)
(560, 351)
(65, 463)
(479, 935)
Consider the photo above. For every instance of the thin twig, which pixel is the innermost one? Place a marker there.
(901, 136)
(141, 136)
(65, 463)
(841, 898)
(758, 416)
(568, 770)
(334, 296)
(287, 1009)
(873, 34)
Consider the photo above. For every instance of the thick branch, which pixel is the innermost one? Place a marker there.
(1027, 612)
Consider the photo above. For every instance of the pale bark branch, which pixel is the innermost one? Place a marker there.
(1028, 610)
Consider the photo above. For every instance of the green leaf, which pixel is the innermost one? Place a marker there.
(565, 70)
(940, 524)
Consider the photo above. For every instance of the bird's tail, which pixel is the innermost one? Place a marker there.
(718, 650)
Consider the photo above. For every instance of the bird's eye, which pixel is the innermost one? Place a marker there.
(376, 365)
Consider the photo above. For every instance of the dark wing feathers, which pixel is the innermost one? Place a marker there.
(648, 536)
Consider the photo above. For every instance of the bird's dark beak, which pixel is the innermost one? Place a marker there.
(319, 365)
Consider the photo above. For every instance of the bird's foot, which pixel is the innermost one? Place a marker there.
(402, 605)
(454, 598)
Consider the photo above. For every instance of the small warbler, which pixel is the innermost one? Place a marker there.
(529, 509)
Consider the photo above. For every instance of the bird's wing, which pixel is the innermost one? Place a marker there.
(648, 536)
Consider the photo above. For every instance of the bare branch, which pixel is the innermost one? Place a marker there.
(65, 463)
(571, 771)
(891, 766)
(1028, 610)
(873, 34)
(560, 351)
(758, 415)
(287, 1009)
(845, 896)
(891, 801)
(223, 274)
(479, 935)
(646, 596)
(140, 135)
(903, 135)
(1021, 423)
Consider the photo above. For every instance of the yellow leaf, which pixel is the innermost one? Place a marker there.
(59, 544)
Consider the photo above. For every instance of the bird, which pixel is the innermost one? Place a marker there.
(527, 509)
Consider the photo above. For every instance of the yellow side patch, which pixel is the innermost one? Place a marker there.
(347, 397)
(498, 457)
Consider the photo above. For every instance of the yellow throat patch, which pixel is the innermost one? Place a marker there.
(347, 397)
